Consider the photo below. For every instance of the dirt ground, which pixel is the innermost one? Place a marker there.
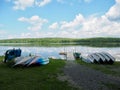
(85, 78)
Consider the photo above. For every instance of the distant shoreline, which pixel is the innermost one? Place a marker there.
(95, 42)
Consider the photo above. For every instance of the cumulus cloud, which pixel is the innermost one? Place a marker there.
(54, 26)
(23, 4)
(42, 3)
(79, 19)
(92, 26)
(80, 27)
(114, 12)
(2, 32)
(35, 21)
(70, 2)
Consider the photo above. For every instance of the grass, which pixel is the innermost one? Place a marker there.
(112, 86)
(105, 68)
(33, 78)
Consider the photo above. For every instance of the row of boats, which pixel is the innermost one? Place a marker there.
(98, 57)
(101, 57)
(15, 56)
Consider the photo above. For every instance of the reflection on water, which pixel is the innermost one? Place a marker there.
(54, 51)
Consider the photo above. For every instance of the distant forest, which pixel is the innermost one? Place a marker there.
(98, 42)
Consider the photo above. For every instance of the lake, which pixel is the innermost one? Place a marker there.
(54, 51)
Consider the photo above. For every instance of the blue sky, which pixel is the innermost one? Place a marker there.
(59, 18)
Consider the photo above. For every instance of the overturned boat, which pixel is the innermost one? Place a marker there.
(14, 55)
(31, 61)
(102, 58)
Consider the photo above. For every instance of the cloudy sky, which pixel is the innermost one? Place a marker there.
(59, 18)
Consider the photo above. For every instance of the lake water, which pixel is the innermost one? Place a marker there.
(54, 51)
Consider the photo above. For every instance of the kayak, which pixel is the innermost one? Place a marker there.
(39, 61)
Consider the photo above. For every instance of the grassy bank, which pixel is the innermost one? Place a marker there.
(97, 42)
(105, 68)
(33, 78)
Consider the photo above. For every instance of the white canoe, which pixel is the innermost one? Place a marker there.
(106, 57)
(34, 60)
(112, 59)
(18, 59)
(22, 61)
(91, 58)
(101, 58)
(96, 58)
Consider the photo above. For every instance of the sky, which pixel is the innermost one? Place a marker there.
(59, 18)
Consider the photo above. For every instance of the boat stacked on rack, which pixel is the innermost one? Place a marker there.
(102, 58)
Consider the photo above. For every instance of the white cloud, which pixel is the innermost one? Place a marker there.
(80, 27)
(92, 26)
(22, 4)
(2, 32)
(35, 21)
(70, 2)
(42, 2)
(54, 26)
(114, 12)
(79, 19)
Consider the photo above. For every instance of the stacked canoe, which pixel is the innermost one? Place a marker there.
(14, 55)
(102, 58)
(30, 61)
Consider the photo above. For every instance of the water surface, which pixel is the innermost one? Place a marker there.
(54, 51)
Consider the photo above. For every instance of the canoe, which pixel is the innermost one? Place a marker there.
(105, 57)
(21, 62)
(112, 59)
(88, 59)
(28, 61)
(43, 61)
(91, 58)
(33, 61)
(17, 59)
(39, 61)
(96, 58)
(101, 59)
